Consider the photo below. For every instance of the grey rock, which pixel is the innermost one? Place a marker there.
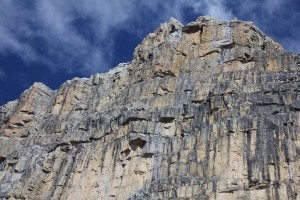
(209, 110)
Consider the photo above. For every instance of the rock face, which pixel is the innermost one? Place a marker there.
(210, 110)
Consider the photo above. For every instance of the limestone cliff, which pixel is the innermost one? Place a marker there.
(210, 110)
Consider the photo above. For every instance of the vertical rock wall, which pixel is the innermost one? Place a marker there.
(209, 110)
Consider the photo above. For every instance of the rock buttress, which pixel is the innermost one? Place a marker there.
(209, 110)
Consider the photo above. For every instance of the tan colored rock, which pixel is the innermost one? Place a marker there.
(209, 110)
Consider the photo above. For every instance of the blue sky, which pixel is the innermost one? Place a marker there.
(51, 41)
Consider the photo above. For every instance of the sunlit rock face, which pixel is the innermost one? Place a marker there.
(210, 110)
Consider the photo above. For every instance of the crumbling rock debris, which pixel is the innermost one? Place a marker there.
(209, 110)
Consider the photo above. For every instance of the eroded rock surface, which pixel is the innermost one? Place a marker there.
(210, 110)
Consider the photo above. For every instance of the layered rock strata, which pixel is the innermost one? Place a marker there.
(210, 110)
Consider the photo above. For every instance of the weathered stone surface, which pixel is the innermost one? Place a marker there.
(209, 110)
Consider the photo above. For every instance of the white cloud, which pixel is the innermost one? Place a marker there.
(253, 8)
(214, 8)
(50, 25)
(272, 6)
(2, 74)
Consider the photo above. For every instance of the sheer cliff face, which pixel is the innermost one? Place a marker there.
(204, 111)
